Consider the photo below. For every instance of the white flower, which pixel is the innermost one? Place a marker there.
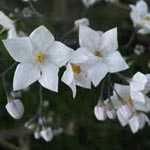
(139, 87)
(141, 17)
(100, 112)
(138, 121)
(15, 108)
(82, 21)
(76, 72)
(40, 57)
(88, 3)
(8, 24)
(122, 103)
(47, 134)
(103, 54)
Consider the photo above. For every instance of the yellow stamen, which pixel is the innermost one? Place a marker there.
(98, 54)
(130, 103)
(76, 68)
(147, 18)
(40, 57)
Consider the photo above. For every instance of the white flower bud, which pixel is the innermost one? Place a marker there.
(100, 113)
(36, 134)
(47, 134)
(111, 114)
(137, 122)
(15, 108)
(82, 21)
(123, 114)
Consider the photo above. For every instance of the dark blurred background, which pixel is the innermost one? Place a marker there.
(81, 130)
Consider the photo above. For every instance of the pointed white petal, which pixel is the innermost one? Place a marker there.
(15, 108)
(115, 62)
(142, 7)
(138, 82)
(81, 55)
(82, 80)
(20, 49)
(134, 124)
(123, 114)
(89, 38)
(68, 79)
(5, 21)
(97, 72)
(138, 97)
(59, 53)
(25, 75)
(49, 77)
(68, 75)
(41, 39)
(109, 41)
(122, 90)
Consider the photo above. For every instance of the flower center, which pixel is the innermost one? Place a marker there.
(147, 18)
(40, 57)
(130, 103)
(76, 68)
(98, 54)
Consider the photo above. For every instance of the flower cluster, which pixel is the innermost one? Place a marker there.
(129, 103)
(40, 57)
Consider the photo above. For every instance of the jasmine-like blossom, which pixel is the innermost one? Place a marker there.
(76, 72)
(129, 112)
(102, 51)
(139, 88)
(140, 17)
(39, 57)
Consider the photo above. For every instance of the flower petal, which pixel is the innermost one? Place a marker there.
(20, 49)
(59, 53)
(82, 81)
(116, 62)
(89, 38)
(97, 72)
(5, 21)
(25, 75)
(68, 75)
(49, 78)
(138, 82)
(41, 38)
(109, 41)
(81, 55)
(68, 79)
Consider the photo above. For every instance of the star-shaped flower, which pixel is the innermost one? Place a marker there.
(76, 71)
(40, 57)
(103, 54)
(141, 17)
(139, 87)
